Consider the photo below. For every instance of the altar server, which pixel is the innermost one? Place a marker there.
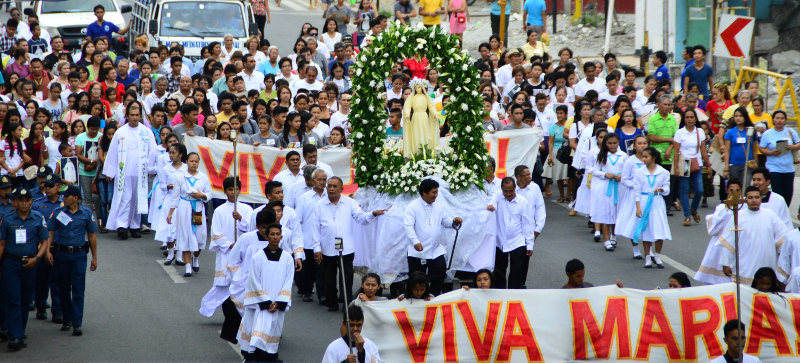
(760, 236)
(651, 225)
(188, 212)
(126, 164)
(770, 200)
(422, 223)
(267, 298)
(333, 222)
(515, 236)
(362, 350)
(710, 270)
(170, 177)
(789, 258)
(229, 221)
(275, 193)
(606, 175)
(733, 339)
(627, 206)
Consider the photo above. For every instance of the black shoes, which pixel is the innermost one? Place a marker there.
(122, 233)
(58, 319)
(136, 233)
(15, 345)
(168, 261)
(66, 326)
(76, 331)
(41, 315)
(180, 263)
(187, 274)
(307, 298)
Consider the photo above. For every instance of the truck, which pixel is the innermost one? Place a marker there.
(192, 23)
(69, 19)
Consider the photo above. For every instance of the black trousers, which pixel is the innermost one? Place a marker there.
(435, 269)
(46, 285)
(259, 355)
(674, 187)
(230, 327)
(330, 267)
(306, 277)
(261, 20)
(518, 271)
(496, 26)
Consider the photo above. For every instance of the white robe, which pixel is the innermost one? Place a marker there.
(130, 186)
(604, 208)
(338, 351)
(793, 282)
(268, 281)
(627, 206)
(239, 262)
(746, 358)
(190, 237)
(165, 232)
(710, 270)
(760, 239)
(789, 257)
(657, 224)
(777, 204)
(583, 198)
(154, 163)
(223, 229)
(290, 220)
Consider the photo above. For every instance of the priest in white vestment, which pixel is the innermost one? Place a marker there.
(126, 164)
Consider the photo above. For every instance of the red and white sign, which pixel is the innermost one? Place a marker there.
(734, 37)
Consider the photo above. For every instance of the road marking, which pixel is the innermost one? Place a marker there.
(235, 347)
(172, 273)
(294, 5)
(679, 266)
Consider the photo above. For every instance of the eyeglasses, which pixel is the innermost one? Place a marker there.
(312, 34)
(203, 82)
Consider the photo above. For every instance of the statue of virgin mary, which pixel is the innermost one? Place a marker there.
(420, 123)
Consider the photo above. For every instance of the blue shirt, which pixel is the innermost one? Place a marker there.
(534, 9)
(106, 29)
(35, 231)
(781, 163)
(662, 72)
(494, 8)
(46, 207)
(78, 225)
(5, 208)
(738, 145)
(700, 76)
(127, 81)
(683, 72)
(266, 68)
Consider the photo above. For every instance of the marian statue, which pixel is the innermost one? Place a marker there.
(420, 123)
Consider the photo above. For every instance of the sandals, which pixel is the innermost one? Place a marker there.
(696, 217)
(560, 200)
(677, 206)
(687, 221)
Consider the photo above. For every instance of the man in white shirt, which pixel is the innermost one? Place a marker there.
(491, 183)
(340, 118)
(531, 192)
(733, 338)
(305, 211)
(333, 225)
(158, 96)
(292, 174)
(422, 223)
(515, 58)
(309, 83)
(612, 86)
(253, 79)
(590, 81)
(363, 350)
(515, 236)
(545, 115)
(311, 157)
(299, 189)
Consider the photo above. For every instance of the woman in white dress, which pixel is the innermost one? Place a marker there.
(188, 212)
(583, 197)
(650, 183)
(170, 176)
(607, 173)
(627, 207)
(156, 161)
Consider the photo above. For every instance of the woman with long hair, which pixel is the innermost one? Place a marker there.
(105, 188)
(338, 77)
(337, 138)
(96, 93)
(15, 156)
(170, 176)
(607, 173)
(628, 129)
(210, 127)
(627, 207)
(739, 147)
(108, 79)
(78, 127)
(330, 36)
(34, 143)
(293, 135)
(201, 100)
(186, 205)
(59, 135)
(145, 87)
(651, 225)
(689, 143)
(284, 96)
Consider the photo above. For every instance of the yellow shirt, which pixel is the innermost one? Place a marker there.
(540, 49)
(429, 6)
(765, 117)
(730, 110)
(222, 117)
(612, 121)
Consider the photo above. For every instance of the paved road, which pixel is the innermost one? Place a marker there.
(139, 310)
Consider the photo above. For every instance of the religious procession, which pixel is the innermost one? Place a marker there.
(408, 181)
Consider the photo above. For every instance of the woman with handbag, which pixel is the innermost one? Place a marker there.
(780, 145)
(739, 148)
(688, 165)
(559, 158)
(459, 15)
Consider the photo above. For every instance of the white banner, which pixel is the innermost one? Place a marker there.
(258, 164)
(605, 323)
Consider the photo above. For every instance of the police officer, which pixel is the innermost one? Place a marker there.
(69, 226)
(23, 243)
(5, 208)
(45, 281)
(38, 190)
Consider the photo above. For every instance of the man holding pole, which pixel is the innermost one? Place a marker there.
(341, 349)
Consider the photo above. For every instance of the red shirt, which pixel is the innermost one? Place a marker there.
(715, 111)
(120, 90)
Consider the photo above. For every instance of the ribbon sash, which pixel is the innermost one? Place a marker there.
(642, 225)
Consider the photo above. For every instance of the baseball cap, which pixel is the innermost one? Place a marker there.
(44, 171)
(5, 182)
(71, 190)
(20, 192)
(52, 180)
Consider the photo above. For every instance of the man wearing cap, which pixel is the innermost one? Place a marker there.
(70, 226)
(5, 208)
(504, 73)
(45, 281)
(23, 243)
(38, 191)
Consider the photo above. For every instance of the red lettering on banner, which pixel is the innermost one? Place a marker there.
(417, 348)
(518, 334)
(615, 322)
(351, 187)
(729, 304)
(481, 343)
(765, 325)
(706, 329)
(261, 173)
(215, 176)
(502, 157)
(244, 172)
(656, 330)
(795, 304)
(450, 344)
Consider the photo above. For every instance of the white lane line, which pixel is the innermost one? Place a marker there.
(293, 5)
(172, 273)
(235, 347)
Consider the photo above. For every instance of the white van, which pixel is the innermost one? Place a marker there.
(192, 23)
(69, 19)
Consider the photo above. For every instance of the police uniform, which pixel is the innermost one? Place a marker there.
(41, 174)
(45, 281)
(21, 238)
(70, 257)
(5, 208)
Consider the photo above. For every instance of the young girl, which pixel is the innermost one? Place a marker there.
(187, 211)
(34, 142)
(482, 280)
(627, 208)
(337, 138)
(555, 169)
(628, 129)
(170, 177)
(720, 101)
(50, 149)
(738, 147)
(607, 173)
(583, 199)
(15, 157)
(651, 225)
(293, 135)
(370, 290)
(417, 287)
(157, 160)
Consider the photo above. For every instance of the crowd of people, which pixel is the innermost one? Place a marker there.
(95, 140)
